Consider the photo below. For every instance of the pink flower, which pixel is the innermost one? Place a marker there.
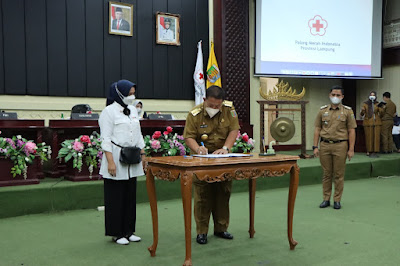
(155, 144)
(169, 129)
(85, 138)
(78, 146)
(245, 138)
(251, 141)
(238, 135)
(30, 147)
(166, 133)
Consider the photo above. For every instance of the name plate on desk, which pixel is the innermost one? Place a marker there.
(160, 116)
(12, 116)
(78, 116)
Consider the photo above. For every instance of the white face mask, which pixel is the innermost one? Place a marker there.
(372, 98)
(335, 100)
(139, 110)
(128, 100)
(211, 112)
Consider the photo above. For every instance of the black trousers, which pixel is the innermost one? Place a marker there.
(396, 139)
(120, 207)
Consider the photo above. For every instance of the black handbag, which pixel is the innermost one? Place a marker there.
(129, 155)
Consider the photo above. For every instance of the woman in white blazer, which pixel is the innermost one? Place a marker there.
(119, 126)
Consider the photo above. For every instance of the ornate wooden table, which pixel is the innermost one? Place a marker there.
(217, 170)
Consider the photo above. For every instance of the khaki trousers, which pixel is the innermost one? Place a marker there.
(386, 135)
(211, 198)
(333, 161)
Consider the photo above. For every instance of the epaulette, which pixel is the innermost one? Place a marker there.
(347, 107)
(228, 103)
(195, 111)
(323, 107)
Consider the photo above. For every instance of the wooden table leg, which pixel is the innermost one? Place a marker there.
(186, 190)
(151, 191)
(252, 195)
(294, 183)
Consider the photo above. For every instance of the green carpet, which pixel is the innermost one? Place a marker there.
(61, 195)
(364, 232)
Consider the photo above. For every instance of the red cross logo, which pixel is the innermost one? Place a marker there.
(199, 76)
(317, 25)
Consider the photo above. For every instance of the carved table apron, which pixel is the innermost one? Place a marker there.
(217, 170)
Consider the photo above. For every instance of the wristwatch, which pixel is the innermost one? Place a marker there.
(314, 147)
(225, 148)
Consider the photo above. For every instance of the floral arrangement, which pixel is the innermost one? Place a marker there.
(83, 149)
(165, 144)
(243, 143)
(23, 152)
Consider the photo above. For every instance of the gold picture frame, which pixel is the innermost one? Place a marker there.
(167, 28)
(120, 19)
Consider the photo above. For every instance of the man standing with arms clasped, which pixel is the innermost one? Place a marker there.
(387, 123)
(335, 125)
(212, 127)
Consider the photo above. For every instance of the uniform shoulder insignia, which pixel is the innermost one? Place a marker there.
(195, 111)
(228, 103)
(323, 107)
(347, 107)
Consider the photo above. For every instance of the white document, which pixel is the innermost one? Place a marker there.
(223, 155)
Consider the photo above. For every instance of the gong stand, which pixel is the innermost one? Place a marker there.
(303, 120)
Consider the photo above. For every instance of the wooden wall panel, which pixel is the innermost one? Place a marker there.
(57, 48)
(189, 51)
(160, 58)
(76, 47)
(14, 46)
(1, 51)
(36, 47)
(94, 48)
(63, 48)
(146, 35)
(232, 50)
(175, 60)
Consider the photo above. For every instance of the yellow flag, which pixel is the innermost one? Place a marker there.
(213, 74)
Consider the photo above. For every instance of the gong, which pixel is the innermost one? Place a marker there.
(282, 129)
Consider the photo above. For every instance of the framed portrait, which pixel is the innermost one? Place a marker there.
(120, 19)
(167, 29)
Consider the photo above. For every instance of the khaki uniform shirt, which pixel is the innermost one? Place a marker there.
(376, 119)
(216, 129)
(389, 110)
(335, 123)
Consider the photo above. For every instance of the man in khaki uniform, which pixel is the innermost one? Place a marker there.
(387, 123)
(212, 127)
(335, 126)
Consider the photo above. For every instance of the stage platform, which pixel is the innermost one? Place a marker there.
(57, 194)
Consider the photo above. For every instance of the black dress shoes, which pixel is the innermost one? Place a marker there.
(336, 205)
(225, 235)
(325, 203)
(201, 239)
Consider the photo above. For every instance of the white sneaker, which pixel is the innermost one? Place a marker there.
(134, 238)
(122, 241)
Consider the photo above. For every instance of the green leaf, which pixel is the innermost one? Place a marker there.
(68, 157)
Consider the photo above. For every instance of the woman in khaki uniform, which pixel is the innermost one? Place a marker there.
(372, 124)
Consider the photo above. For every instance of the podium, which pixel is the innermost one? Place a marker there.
(31, 130)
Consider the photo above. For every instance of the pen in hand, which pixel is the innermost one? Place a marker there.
(203, 149)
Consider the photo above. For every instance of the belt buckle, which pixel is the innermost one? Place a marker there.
(331, 141)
